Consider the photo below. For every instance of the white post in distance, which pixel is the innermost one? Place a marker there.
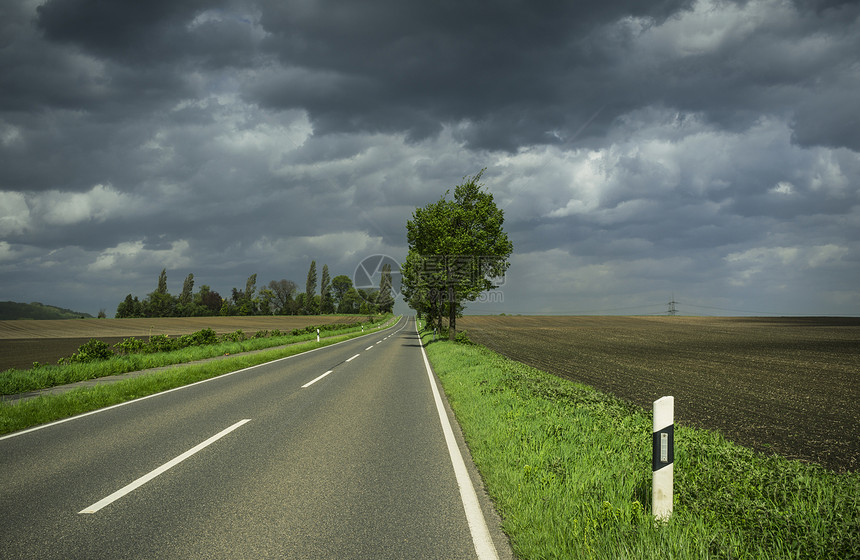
(663, 457)
(318, 335)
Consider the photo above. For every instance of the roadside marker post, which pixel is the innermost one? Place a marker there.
(663, 458)
(318, 335)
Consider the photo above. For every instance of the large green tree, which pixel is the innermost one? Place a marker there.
(457, 248)
(418, 289)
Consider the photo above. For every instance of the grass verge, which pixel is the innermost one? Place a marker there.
(49, 408)
(16, 381)
(569, 470)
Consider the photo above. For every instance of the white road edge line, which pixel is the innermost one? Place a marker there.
(168, 465)
(351, 359)
(484, 546)
(154, 395)
(309, 383)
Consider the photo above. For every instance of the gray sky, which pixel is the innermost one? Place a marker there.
(707, 151)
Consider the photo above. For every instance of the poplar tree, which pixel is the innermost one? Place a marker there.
(162, 282)
(326, 305)
(248, 304)
(384, 298)
(311, 289)
(160, 303)
(187, 290)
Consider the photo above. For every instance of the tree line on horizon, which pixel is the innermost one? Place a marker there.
(279, 297)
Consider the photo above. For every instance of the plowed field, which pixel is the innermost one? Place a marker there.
(24, 342)
(779, 385)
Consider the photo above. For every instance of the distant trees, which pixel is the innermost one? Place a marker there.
(207, 301)
(186, 306)
(129, 307)
(279, 297)
(160, 303)
(351, 302)
(340, 285)
(246, 302)
(162, 282)
(187, 289)
(385, 298)
(311, 290)
(326, 302)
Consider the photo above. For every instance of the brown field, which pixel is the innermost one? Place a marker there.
(26, 341)
(779, 385)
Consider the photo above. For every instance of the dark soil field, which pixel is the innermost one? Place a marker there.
(779, 385)
(26, 341)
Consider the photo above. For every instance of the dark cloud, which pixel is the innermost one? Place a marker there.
(632, 145)
(138, 31)
(409, 66)
(521, 73)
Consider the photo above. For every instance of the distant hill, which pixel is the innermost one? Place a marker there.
(10, 311)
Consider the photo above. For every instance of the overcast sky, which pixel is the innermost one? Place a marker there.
(703, 150)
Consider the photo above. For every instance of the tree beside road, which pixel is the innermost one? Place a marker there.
(457, 250)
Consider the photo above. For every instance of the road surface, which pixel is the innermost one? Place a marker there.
(336, 453)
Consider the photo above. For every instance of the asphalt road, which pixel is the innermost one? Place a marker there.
(336, 453)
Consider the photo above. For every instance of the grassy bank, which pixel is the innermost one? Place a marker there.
(16, 381)
(48, 408)
(569, 470)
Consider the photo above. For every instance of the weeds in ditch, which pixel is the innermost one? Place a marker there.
(48, 408)
(569, 470)
(94, 359)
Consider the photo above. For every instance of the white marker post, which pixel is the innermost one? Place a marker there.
(663, 457)
(318, 335)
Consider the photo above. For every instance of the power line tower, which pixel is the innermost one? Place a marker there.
(672, 311)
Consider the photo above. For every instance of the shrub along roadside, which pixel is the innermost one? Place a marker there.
(48, 408)
(569, 470)
(95, 359)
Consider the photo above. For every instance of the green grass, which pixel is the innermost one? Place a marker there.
(14, 381)
(49, 408)
(569, 470)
